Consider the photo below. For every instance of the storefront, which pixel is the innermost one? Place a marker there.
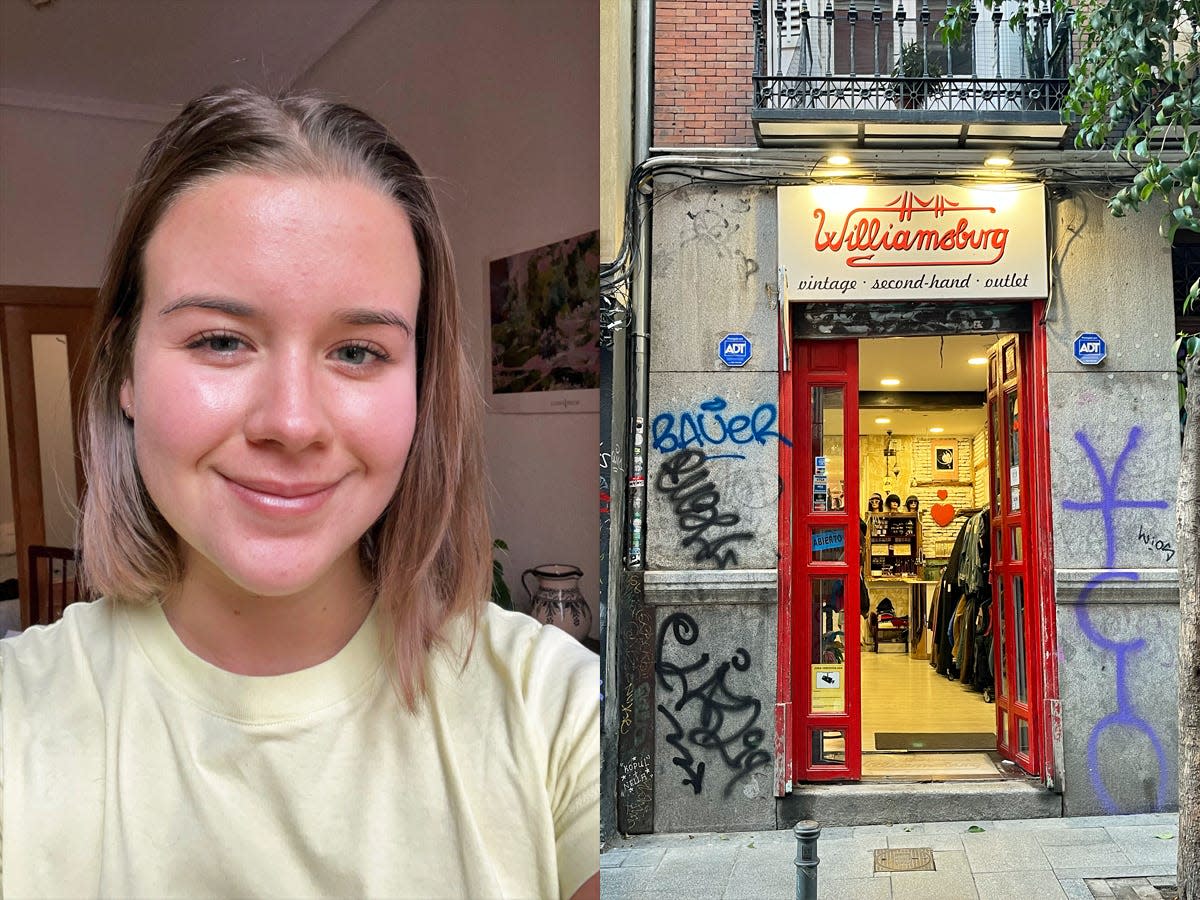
(895, 249)
(761, 676)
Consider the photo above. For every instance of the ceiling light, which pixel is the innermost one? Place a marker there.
(883, 421)
(936, 429)
(838, 159)
(977, 361)
(998, 161)
(889, 382)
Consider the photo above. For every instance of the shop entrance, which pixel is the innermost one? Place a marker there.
(919, 634)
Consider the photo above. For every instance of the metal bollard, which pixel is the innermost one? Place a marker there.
(806, 833)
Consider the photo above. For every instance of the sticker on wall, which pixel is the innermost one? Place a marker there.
(1089, 349)
(828, 687)
(734, 350)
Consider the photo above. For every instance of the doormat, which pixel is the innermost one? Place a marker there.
(956, 740)
(929, 767)
(904, 859)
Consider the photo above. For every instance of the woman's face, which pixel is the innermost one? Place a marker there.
(274, 375)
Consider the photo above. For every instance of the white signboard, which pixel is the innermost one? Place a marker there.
(914, 242)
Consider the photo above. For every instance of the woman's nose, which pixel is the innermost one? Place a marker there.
(289, 407)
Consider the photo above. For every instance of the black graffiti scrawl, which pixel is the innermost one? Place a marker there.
(725, 720)
(684, 481)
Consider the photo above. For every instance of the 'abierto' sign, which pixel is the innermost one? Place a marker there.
(914, 242)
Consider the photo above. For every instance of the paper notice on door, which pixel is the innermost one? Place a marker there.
(828, 687)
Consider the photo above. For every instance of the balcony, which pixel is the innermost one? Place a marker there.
(845, 77)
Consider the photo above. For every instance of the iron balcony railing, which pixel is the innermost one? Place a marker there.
(1012, 58)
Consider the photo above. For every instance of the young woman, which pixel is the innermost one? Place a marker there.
(293, 684)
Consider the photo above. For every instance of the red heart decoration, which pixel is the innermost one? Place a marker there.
(942, 495)
(942, 513)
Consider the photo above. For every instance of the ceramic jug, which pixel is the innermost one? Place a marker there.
(557, 600)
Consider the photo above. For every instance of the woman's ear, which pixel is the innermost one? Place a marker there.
(127, 398)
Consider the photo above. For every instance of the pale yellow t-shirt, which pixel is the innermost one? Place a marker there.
(133, 768)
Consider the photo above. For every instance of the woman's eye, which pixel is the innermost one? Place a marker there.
(223, 344)
(358, 354)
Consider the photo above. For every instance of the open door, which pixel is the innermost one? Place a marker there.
(1014, 570)
(43, 341)
(826, 731)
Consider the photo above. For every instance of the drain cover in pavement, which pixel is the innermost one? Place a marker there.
(904, 859)
(1132, 888)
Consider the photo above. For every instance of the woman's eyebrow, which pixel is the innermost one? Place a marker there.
(221, 304)
(362, 315)
(359, 315)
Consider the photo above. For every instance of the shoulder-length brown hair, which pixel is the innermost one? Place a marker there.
(429, 554)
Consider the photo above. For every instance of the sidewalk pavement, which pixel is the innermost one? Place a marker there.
(1023, 859)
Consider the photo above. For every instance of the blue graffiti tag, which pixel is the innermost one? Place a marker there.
(693, 429)
(1125, 715)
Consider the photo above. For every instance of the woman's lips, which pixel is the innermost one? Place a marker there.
(278, 498)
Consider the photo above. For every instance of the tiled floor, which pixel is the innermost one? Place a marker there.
(1046, 859)
(906, 695)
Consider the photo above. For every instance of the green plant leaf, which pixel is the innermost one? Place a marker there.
(975, 829)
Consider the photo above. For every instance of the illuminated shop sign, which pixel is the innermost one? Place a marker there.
(913, 242)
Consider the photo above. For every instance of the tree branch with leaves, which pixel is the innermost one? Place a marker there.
(1134, 89)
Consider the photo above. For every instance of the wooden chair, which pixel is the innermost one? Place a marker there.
(53, 584)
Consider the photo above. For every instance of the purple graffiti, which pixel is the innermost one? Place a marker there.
(1125, 715)
(1109, 503)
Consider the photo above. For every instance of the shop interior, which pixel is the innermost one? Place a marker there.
(926, 649)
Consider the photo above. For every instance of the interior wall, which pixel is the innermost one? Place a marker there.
(62, 181)
(913, 460)
(499, 103)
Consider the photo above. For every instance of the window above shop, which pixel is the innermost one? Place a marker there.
(879, 76)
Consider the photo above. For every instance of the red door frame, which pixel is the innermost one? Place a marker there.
(1041, 591)
(832, 364)
(790, 710)
(1011, 562)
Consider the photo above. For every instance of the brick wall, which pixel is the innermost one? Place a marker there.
(703, 69)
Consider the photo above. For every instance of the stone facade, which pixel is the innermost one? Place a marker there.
(713, 509)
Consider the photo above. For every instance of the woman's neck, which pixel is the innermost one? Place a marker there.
(249, 634)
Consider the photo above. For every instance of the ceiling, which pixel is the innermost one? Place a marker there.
(141, 59)
(927, 364)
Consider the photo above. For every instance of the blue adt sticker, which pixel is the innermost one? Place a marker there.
(734, 350)
(1090, 349)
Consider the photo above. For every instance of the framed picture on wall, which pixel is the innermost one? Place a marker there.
(944, 461)
(545, 327)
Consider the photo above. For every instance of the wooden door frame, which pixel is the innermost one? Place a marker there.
(27, 309)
